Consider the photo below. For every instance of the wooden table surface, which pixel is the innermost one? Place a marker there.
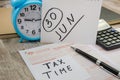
(113, 5)
(12, 66)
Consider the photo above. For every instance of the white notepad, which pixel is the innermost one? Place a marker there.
(60, 62)
(47, 63)
(70, 21)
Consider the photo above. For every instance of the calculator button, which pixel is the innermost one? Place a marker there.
(109, 30)
(101, 39)
(115, 35)
(109, 39)
(104, 41)
(98, 36)
(108, 43)
(111, 36)
(114, 38)
(106, 37)
(118, 37)
(107, 34)
(102, 35)
(119, 33)
(104, 31)
(99, 33)
(116, 32)
(113, 42)
(118, 40)
(112, 32)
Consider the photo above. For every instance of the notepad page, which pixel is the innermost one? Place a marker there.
(37, 55)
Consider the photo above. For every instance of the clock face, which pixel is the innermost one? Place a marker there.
(28, 21)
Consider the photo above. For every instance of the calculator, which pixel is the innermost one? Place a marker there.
(107, 37)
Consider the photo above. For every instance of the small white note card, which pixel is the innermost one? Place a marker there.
(44, 64)
(70, 21)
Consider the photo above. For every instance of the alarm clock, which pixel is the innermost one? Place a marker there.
(26, 19)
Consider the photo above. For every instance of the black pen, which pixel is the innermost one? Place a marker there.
(98, 62)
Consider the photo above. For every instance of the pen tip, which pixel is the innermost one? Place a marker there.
(73, 48)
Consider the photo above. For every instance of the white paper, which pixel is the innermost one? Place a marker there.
(53, 67)
(70, 20)
(83, 69)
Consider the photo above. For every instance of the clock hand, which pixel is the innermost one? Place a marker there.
(28, 19)
(32, 20)
(37, 19)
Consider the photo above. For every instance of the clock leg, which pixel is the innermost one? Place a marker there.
(21, 40)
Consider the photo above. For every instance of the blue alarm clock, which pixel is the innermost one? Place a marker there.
(26, 19)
